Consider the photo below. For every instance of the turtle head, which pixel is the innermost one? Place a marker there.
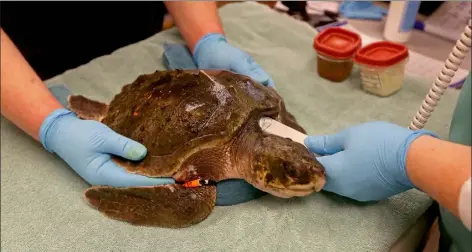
(285, 168)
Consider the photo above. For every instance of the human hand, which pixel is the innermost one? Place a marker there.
(86, 146)
(366, 162)
(214, 52)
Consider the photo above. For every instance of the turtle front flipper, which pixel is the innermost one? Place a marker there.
(87, 109)
(169, 206)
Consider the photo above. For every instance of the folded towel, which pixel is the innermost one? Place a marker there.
(178, 56)
(362, 10)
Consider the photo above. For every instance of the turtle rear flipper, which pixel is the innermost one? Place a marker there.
(169, 206)
(87, 109)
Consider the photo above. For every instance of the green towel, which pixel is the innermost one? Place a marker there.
(43, 210)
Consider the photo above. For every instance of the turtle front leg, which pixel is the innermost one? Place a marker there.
(87, 109)
(168, 206)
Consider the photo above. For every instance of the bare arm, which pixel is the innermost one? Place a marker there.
(25, 99)
(195, 19)
(441, 169)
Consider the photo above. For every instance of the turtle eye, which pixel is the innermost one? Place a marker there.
(289, 169)
(269, 178)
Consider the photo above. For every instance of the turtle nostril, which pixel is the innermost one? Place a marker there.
(293, 173)
(316, 169)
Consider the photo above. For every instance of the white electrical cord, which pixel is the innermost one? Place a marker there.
(440, 85)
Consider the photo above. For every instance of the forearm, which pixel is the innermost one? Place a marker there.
(195, 19)
(25, 100)
(440, 169)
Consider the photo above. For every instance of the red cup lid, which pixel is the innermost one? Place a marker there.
(337, 43)
(382, 53)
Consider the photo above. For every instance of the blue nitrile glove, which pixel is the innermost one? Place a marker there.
(214, 52)
(86, 146)
(366, 162)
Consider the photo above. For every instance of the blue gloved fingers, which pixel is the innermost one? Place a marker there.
(341, 180)
(114, 143)
(326, 144)
(109, 173)
(269, 83)
(333, 165)
(247, 66)
(214, 52)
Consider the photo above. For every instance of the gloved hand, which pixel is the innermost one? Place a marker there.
(214, 52)
(86, 147)
(366, 162)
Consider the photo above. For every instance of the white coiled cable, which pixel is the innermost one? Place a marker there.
(441, 83)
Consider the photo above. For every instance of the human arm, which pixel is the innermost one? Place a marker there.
(18, 83)
(376, 160)
(195, 20)
(201, 28)
(84, 145)
(441, 169)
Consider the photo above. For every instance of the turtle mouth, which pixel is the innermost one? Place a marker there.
(299, 190)
(290, 186)
(316, 183)
(288, 193)
(314, 186)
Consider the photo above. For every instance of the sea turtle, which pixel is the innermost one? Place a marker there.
(197, 125)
